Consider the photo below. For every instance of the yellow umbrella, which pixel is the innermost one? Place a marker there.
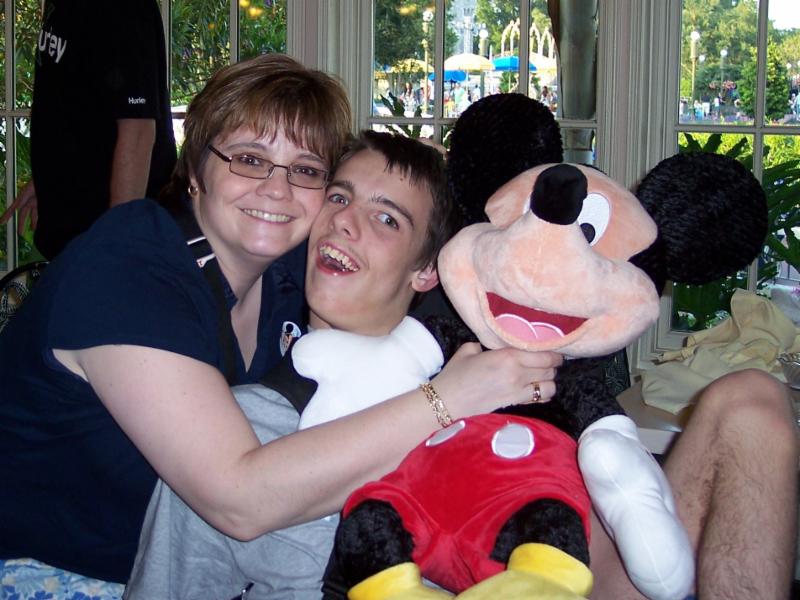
(468, 62)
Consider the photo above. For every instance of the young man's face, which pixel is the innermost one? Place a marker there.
(364, 245)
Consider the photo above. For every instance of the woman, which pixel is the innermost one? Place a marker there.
(113, 369)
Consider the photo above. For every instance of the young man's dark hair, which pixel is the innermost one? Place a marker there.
(424, 165)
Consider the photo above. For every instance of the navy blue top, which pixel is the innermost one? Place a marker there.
(74, 488)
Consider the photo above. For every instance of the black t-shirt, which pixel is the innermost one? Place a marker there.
(74, 488)
(95, 63)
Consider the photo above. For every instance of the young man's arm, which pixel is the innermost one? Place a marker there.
(130, 167)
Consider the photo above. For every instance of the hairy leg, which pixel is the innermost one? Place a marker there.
(734, 475)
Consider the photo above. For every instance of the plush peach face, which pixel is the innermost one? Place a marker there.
(550, 271)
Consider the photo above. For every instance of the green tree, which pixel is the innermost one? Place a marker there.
(262, 27)
(200, 45)
(399, 32)
(722, 26)
(777, 85)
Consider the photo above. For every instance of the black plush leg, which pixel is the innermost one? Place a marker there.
(545, 522)
(372, 538)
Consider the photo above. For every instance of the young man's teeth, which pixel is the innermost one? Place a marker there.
(339, 257)
(265, 216)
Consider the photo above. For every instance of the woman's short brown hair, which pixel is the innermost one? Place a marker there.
(269, 94)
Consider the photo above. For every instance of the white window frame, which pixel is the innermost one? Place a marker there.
(635, 43)
(637, 82)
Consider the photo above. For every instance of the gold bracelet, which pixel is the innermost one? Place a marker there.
(439, 409)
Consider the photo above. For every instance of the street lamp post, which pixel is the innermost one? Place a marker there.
(483, 35)
(427, 17)
(694, 37)
(722, 54)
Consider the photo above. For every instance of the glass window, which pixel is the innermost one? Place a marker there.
(738, 90)
(199, 45)
(262, 27)
(432, 59)
(404, 79)
(198, 42)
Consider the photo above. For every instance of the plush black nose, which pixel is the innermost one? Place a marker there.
(558, 194)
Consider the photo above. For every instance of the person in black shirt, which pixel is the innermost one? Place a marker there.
(101, 126)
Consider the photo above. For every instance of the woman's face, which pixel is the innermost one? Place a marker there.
(255, 220)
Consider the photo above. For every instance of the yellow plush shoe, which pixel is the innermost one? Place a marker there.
(400, 582)
(535, 571)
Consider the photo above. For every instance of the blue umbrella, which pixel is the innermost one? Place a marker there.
(509, 63)
(450, 76)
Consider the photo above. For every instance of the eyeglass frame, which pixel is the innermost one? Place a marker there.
(270, 171)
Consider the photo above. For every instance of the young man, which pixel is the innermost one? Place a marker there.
(733, 471)
(372, 249)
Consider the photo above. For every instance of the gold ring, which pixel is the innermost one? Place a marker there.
(537, 392)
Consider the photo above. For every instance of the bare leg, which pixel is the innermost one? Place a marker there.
(734, 475)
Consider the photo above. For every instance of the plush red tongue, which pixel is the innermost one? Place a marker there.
(529, 324)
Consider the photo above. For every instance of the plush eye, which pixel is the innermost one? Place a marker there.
(594, 217)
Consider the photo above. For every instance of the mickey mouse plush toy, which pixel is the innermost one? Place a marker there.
(495, 506)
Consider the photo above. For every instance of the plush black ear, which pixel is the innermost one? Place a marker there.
(711, 214)
(494, 140)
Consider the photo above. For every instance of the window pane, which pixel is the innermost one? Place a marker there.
(26, 252)
(200, 45)
(579, 145)
(718, 62)
(468, 71)
(27, 22)
(780, 262)
(408, 130)
(783, 63)
(262, 27)
(544, 60)
(3, 53)
(4, 229)
(495, 34)
(696, 307)
(404, 36)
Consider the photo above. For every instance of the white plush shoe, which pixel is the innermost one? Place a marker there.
(633, 499)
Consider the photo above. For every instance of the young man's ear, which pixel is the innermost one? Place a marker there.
(425, 279)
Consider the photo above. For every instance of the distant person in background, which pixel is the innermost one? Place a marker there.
(101, 128)
(409, 99)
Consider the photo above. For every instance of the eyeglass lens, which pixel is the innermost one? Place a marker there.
(300, 175)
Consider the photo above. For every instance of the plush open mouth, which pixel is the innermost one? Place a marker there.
(529, 324)
(336, 260)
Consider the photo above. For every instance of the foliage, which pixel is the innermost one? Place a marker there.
(777, 85)
(699, 307)
(200, 46)
(401, 33)
(262, 29)
(722, 25)
(396, 106)
(497, 14)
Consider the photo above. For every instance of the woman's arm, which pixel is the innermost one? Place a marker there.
(182, 416)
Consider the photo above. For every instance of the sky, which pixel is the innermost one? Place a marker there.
(784, 14)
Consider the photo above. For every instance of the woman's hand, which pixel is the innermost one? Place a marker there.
(476, 381)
